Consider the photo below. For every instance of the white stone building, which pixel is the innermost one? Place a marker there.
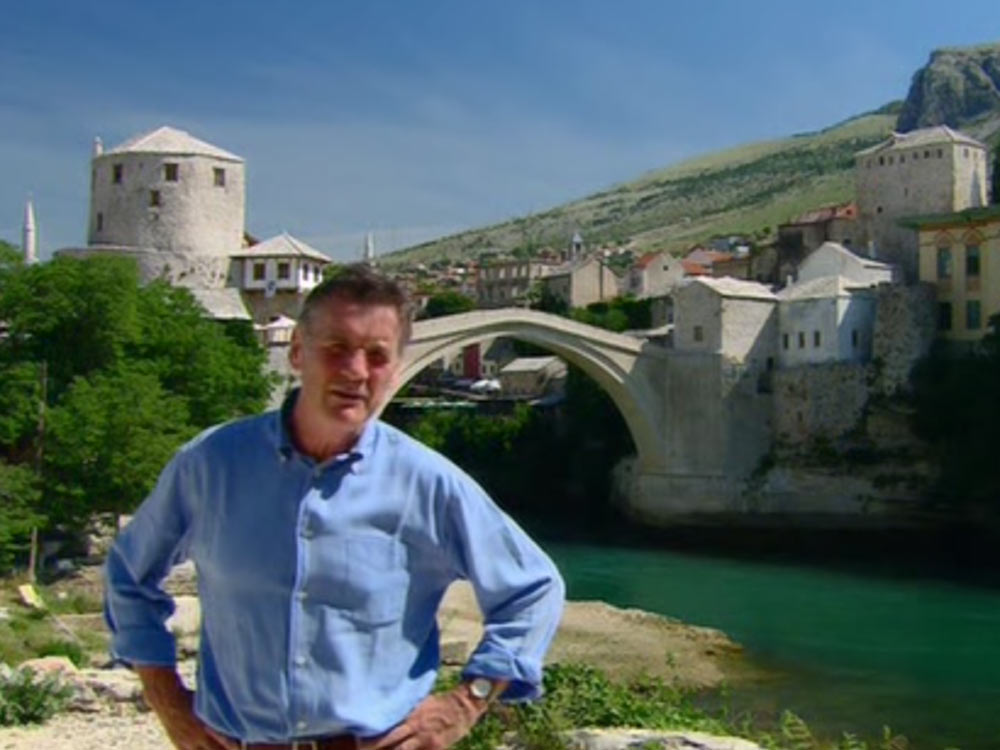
(726, 316)
(833, 259)
(276, 275)
(825, 319)
(932, 170)
(532, 377)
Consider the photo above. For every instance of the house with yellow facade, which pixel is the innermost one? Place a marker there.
(959, 253)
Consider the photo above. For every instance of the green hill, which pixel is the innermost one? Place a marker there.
(739, 190)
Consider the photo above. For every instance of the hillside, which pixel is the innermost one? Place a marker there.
(750, 188)
(737, 190)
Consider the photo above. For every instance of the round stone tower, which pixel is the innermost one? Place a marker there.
(173, 202)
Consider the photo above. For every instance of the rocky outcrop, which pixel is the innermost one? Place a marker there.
(956, 87)
(645, 739)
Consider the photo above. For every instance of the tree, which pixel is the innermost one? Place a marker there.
(448, 303)
(19, 510)
(995, 181)
(107, 442)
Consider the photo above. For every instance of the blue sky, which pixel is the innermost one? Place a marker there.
(414, 119)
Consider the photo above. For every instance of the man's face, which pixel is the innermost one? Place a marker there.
(348, 357)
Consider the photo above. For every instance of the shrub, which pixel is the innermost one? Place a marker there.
(27, 698)
(72, 651)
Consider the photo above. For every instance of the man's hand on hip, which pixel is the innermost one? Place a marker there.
(174, 706)
(438, 722)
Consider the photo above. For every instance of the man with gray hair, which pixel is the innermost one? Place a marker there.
(324, 540)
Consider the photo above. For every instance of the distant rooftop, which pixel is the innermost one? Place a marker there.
(282, 246)
(826, 213)
(824, 287)
(937, 135)
(730, 287)
(529, 364)
(167, 140)
(970, 216)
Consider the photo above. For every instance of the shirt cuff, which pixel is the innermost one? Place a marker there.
(145, 646)
(492, 662)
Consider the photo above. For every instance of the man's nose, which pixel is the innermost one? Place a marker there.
(356, 363)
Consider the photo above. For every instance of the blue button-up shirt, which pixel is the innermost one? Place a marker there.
(320, 583)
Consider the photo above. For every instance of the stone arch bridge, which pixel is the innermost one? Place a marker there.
(700, 423)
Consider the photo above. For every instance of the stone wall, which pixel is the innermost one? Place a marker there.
(905, 326)
(818, 401)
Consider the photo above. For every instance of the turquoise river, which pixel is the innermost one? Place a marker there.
(850, 649)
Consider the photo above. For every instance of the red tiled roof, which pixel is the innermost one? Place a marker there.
(704, 256)
(646, 259)
(827, 213)
(693, 268)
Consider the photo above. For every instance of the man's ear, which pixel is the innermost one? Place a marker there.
(295, 350)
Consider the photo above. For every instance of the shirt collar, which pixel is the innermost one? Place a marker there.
(356, 456)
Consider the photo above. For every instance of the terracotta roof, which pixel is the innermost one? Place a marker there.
(167, 140)
(704, 256)
(647, 258)
(827, 213)
(695, 269)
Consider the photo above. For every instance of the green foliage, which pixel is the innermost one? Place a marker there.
(957, 399)
(995, 177)
(20, 511)
(27, 698)
(618, 314)
(107, 441)
(128, 372)
(796, 733)
(71, 650)
(448, 303)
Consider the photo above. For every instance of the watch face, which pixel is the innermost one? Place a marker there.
(481, 688)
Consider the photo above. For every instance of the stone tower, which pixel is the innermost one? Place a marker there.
(171, 201)
(929, 171)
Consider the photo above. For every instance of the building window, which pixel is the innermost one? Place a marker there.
(100, 221)
(881, 161)
(219, 175)
(170, 172)
(802, 340)
(784, 341)
(916, 155)
(816, 339)
(972, 315)
(154, 198)
(940, 153)
(284, 270)
(116, 174)
(902, 158)
(971, 261)
(258, 271)
(854, 338)
(699, 333)
(944, 316)
(878, 209)
(944, 263)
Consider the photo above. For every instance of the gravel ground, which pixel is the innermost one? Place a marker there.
(127, 729)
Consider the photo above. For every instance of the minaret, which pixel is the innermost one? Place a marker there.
(29, 240)
(369, 249)
(98, 146)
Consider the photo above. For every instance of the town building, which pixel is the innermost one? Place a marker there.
(960, 257)
(928, 171)
(654, 274)
(274, 276)
(582, 282)
(833, 259)
(507, 283)
(533, 377)
(726, 316)
(826, 319)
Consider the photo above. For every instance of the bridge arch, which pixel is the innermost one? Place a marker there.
(612, 360)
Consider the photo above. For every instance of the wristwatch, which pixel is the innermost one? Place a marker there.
(481, 688)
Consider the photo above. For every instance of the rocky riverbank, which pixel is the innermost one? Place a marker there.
(107, 710)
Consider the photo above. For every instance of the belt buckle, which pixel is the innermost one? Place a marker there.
(305, 744)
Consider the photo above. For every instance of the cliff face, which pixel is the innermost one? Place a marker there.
(957, 87)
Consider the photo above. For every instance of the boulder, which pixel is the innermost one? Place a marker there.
(648, 739)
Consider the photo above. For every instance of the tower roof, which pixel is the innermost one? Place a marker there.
(167, 140)
(933, 136)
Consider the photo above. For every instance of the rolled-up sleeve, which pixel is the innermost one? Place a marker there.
(518, 587)
(135, 605)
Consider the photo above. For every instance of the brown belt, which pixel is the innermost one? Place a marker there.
(338, 742)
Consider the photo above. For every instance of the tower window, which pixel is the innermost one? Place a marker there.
(116, 173)
(100, 221)
(284, 270)
(802, 340)
(219, 176)
(170, 172)
(154, 198)
(973, 318)
(258, 271)
(854, 338)
(972, 261)
(699, 333)
(784, 341)
(816, 338)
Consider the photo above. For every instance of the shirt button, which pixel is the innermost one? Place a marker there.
(307, 533)
(300, 595)
(301, 725)
(300, 661)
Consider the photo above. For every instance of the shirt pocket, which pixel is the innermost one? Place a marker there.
(377, 579)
